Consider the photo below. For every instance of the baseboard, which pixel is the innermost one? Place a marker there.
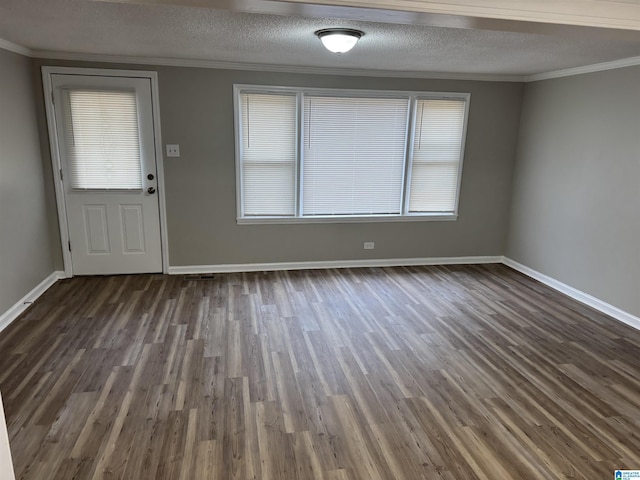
(391, 262)
(576, 294)
(14, 312)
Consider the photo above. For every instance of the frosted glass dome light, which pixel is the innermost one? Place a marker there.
(339, 40)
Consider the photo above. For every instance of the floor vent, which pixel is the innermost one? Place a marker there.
(205, 276)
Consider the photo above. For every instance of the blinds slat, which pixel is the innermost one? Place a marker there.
(102, 139)
(436, 155)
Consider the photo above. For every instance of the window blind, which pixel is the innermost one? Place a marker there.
(436, 155)
(354, 155)
(102, 139)
(268, 154)
(323, 153)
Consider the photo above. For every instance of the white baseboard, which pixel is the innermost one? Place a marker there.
(391, 262)
(576, 294)
(14, 312)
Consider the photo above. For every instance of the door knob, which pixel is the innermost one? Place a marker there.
(151, 190)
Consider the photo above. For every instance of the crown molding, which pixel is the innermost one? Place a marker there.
(15, 48)
(175, 62)
(596, 67)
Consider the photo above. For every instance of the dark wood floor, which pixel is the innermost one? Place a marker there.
(388, 373)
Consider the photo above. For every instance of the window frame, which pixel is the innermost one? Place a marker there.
(404, 216)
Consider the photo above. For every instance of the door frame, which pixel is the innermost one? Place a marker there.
(56, 163)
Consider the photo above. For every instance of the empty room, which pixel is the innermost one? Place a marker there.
(335, 240)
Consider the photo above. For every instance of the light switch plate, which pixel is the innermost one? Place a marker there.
(173, 150)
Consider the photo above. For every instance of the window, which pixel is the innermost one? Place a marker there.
(347, 155)
(102, 141)
(269, 154)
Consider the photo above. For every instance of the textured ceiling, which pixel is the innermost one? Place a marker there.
(171, 32)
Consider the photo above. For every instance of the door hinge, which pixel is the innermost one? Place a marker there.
(53, 98)
(69, 245)
(61, 176)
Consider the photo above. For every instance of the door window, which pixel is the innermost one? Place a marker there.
(102, 140)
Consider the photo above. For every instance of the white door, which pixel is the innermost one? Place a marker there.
(106, 144)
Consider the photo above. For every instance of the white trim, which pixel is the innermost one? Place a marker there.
(463, 147)
(237, 122)
(597, 67)
(21, 305)
(15, 48)
(57, 168)
(390, 262)
(47, 71)
(563, 288)
(101, 72)
(576, 294)
(6, 462)
(409, 217)
(162, 199)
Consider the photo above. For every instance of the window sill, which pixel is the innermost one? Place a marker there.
(431, 217)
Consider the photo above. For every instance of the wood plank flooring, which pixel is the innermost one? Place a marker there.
(465, 372)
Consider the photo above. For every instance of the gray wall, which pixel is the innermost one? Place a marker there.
(25, 250)
(574, 207)
(197, 113)
(576, 191)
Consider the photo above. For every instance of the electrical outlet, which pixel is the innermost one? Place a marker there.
(369, 245)
(173, 150)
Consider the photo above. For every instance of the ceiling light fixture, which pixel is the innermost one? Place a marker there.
(339, 40)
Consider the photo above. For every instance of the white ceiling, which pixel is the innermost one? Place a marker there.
(189, 33)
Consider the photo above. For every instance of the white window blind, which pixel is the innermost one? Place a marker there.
(268, 154)
(436, 155)
(103, 147)
(328, 155)
(354, 155)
